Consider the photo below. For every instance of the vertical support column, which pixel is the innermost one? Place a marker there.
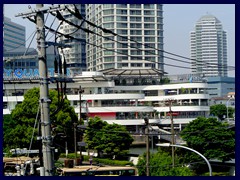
(44, 96)
(147, 145)
(172, 132)
(80, 112)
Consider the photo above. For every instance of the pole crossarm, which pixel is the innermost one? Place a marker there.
(58, 44)
(33, 12)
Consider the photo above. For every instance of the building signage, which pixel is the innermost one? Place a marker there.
(27, 73)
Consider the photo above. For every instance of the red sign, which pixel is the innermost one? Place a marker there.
(173, 114)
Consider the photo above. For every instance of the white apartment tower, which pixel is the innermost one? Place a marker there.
(137, 42)
(75, 55)
(209, 47)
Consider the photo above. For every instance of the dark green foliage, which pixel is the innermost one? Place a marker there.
(220, 110)
(112, 162)
(211, 138)
(112, 139)
(102, 161)
(161, 165)
(165, 81)
(18, 127)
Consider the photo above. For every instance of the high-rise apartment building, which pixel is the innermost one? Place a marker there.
(75, 55)
(209, 47)
(137, 41)
(13, 35)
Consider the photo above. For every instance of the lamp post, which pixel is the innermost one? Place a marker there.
(230, 97)
(190, 149)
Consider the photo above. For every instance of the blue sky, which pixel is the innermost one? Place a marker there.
(179, 20)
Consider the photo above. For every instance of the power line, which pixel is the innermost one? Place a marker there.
(9, 50)
(84, 41)
(60, 17)
(79, 16)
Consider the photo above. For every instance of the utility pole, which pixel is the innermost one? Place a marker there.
(80, 112)
(47, 149)
(44, 96)
(147, 144)
(172, 132)
(75, 140)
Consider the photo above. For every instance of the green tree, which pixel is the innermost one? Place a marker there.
(161, 165)
(112, 139)
(210, 137)
(19, 126)
(220, 110)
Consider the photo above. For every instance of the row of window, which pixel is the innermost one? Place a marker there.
(6, 24)
(17, 35)
(137, 25)
(16, 44)
(145, 6)
(23, 64)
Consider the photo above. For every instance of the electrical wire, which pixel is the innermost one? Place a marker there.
(29, 44)
(9, 50)
(82, 40)
(30, 146)
(34, 127)
(79, 16)
(59, 16)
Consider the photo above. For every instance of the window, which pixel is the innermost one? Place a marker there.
(120, 11)
(149, 32)
(149, 12)
(149, 26)
(135, 32)
(150, 52)
(137, 19)
(135, 12)
(108, 45)
(136, 52)
(122, 45)
(136, 64)
(121, 25)
(122, 31)
(109, 59)
(121, 18)
(135, 25)
(148, 6)
(149, 39)
(108, 25)
(149, 19)
(108, 12)
(111, 65)
(136, 45)
(107, 6)
(135, 5)
(121, 5)
(108, 18)
(108, 52)
(123, 51)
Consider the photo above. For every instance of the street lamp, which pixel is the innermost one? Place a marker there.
(230, 97)
(176, 145)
